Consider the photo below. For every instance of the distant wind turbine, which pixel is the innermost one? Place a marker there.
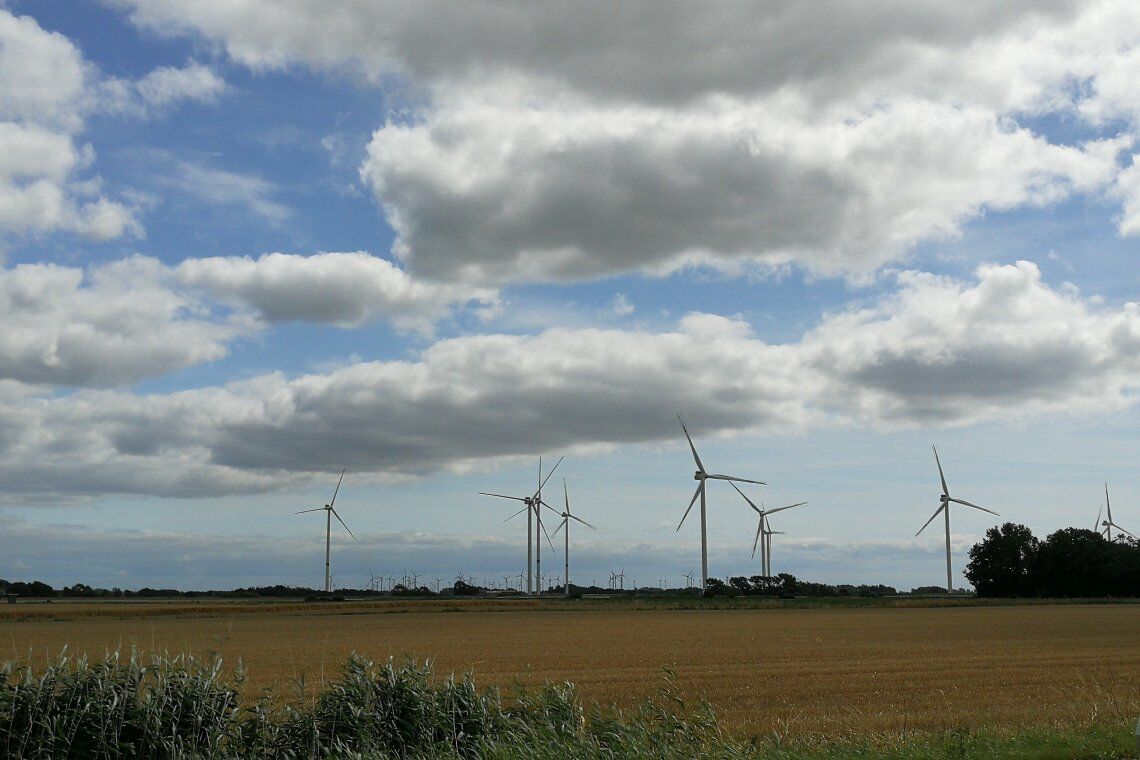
(1109, 524)
(532, 505)
(701, 476)
(566, 518)
(944, 508)
(763, 531)
(330, 512)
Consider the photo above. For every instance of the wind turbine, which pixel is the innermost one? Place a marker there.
(763, 531)
(566, 518)
(768, 533)
(689, 579)
(531, 505)
(944, 508)
(330, 511)
(1109, 524)
(701, 476)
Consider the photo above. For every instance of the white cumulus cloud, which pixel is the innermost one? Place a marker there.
(346, 289)
(937, 352)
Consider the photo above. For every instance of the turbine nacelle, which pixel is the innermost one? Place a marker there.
(698, 475)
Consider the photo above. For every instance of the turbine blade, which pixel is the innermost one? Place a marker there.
(696, 458)
(738, 480)
(759, 527)
(552, 509)
(335, 492)
(975, 506)
(781, 509)
(561, 525)
(936, 513)
(1122, 530)
(502, 496)
(552, 469)
(566, 495)
(342, 523)
(1096, 525)
(579, 519)
(692, 501)
(937, 461)
(547, 537)
(303, 511)
(516, 514)
(750, 502)
(1107, 503)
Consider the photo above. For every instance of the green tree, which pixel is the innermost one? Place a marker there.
(1002, 563)
(1073, 562)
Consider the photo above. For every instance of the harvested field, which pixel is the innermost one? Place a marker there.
(795, 671)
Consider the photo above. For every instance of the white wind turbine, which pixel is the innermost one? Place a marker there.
(701, 476)
(768, 533)
(330, 512)
(763, 531)
(1109, 524)
(566, 518)
(944, 507)
(532, 505)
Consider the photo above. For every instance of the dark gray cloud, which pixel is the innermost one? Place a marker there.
(670, 52)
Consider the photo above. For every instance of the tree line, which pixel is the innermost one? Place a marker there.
(1072, 562)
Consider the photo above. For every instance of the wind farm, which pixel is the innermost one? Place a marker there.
(534, 581)
(611, 639)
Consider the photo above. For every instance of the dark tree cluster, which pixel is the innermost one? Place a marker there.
(786, 585)
(1011, 562)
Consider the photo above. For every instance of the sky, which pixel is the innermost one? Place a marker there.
(246, 244)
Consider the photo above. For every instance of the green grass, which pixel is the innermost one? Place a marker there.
(172, 707)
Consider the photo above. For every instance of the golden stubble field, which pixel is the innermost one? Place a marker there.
(795, 671)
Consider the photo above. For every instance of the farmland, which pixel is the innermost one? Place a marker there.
(798, 672)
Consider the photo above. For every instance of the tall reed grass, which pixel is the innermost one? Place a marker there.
(178, 706)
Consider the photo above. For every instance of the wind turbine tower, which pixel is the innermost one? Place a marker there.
(565, 524)
(944, 507)
(330, 512)
(701, 476)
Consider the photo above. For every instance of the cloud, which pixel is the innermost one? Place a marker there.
(942, 351)
(226, 188)
(42, 74)
(620, 305)
(44, 83)
(158, 90)
(47, 91)
(494, 192)
(198, 560)
(114, 324)
(584, 141)
(650, 52)
(346, 289)
(939, 351)
(118, 323)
